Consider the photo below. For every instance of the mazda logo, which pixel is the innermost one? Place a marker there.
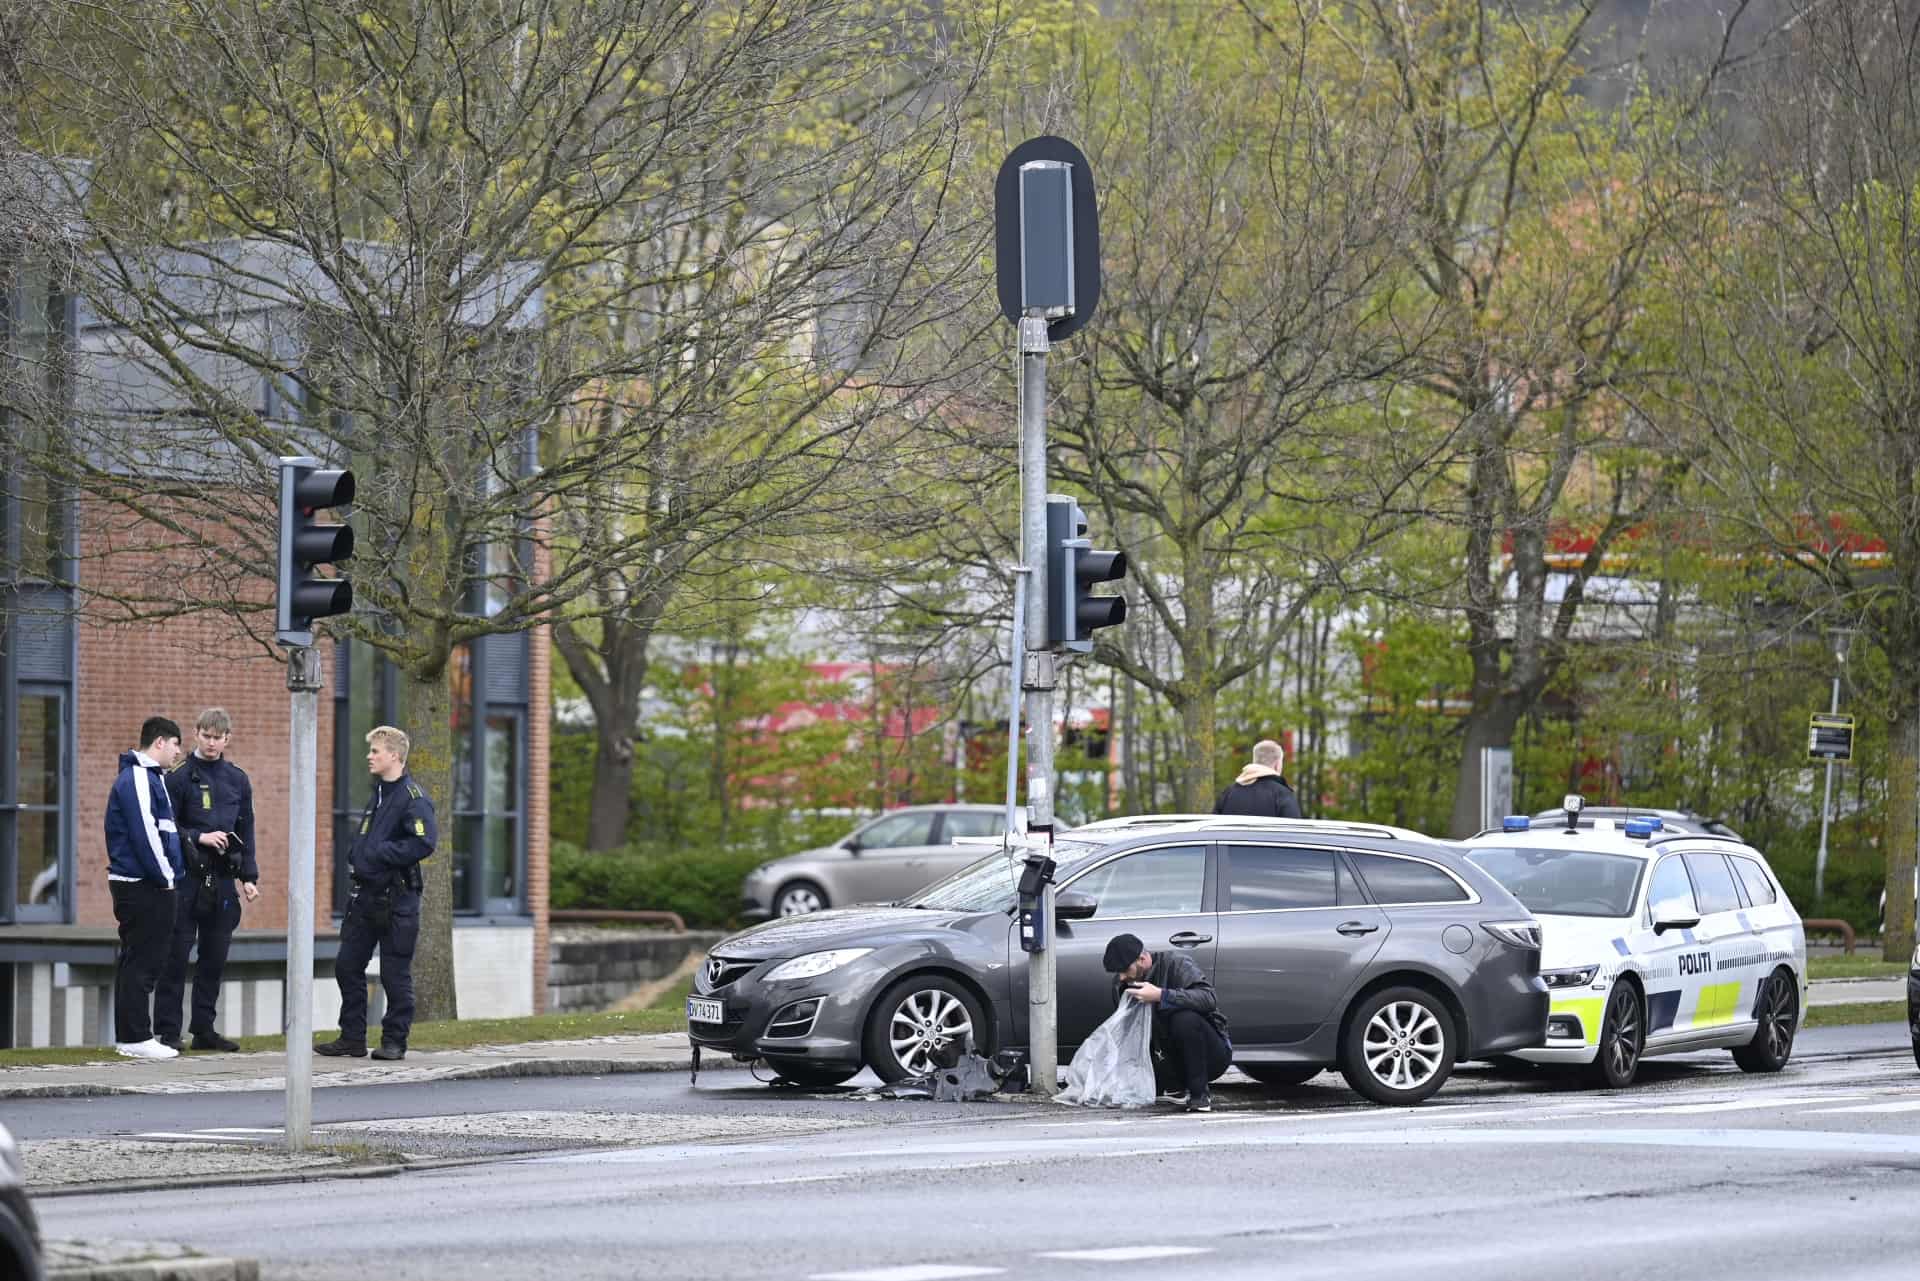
(715, 968)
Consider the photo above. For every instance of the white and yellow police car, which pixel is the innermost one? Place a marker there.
(1653, 942)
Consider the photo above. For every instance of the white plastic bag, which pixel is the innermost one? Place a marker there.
(1113, 1068)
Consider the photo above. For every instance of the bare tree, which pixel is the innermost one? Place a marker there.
(546, 274)
(1804, 355)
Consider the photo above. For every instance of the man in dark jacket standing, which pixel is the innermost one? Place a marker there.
(397, 834)
(143, 865)
(1260, 791)
(213, 803)
(1190, 1042)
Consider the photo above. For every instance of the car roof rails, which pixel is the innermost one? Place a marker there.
(1378, 831)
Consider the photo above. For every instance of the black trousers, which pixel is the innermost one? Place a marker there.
(1196, 1053)
(207, 915)
(144, 910)
(361, 932)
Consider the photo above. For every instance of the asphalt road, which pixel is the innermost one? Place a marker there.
(1701, 1170)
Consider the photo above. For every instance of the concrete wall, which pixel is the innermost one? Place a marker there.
(594, 969)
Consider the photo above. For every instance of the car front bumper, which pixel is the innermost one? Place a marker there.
(767, 1020)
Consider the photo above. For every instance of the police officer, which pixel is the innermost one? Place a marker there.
(213, 804)
(397, 834)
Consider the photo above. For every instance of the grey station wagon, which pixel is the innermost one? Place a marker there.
(1367, 948)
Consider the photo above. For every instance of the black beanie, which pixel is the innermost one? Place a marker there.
(1122, 950)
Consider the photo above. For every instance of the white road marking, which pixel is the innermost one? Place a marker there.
(1126, 1253)
(1738, 1105)
(1904, 1105)
(910, 1272)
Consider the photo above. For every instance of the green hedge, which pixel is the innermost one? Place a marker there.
(702, 885)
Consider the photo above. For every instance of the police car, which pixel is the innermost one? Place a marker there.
(1654, 942)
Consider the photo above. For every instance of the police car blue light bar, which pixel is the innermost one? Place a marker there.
(1515, 823)
(1642, 826)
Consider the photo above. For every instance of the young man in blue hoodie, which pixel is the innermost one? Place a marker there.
(143, 865)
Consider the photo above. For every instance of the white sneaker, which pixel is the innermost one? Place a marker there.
(147, 1049)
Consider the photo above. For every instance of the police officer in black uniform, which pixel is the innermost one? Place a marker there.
(397, 834)
(213, 805)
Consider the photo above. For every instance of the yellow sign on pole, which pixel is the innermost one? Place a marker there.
(1830, 737)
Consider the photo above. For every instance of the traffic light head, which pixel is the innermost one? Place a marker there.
(1074, 613)
(305, 544)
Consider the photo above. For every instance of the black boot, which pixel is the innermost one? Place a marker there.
(389, 1052)
(213, 1041)
(341, 1048)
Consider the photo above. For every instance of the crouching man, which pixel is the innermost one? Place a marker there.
(1190, 1043)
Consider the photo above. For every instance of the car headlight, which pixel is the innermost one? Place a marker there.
(1916, 956)
(1570, 978)
(1524, 934)
(814, 964)
(10, 1156)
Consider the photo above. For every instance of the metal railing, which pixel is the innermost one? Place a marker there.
(1833, 926)
(610, 916)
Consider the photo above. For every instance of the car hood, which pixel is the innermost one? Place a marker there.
(844, 927)
(1569, 941)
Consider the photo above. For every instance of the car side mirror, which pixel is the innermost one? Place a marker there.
(1673, 920)
(852, 846)
(1070, 905)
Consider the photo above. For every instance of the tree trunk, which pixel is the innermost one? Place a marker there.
(1195, 770)
(1490, 724)
(427, 705)
(1903, 825)
(610, 808)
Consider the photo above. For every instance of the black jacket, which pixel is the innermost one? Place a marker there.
(1267, 797)
(214, 796)
(1183, 986)
(397, 834)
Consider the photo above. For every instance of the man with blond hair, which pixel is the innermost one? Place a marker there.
(397, 834)
(1260, 791)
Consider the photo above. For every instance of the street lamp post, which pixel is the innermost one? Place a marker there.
(1842, 639)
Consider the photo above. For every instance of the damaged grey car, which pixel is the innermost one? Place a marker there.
(1326, 942)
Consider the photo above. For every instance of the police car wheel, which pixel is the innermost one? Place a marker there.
(919, 1015)
(1398, 1047)
(1281, 1075)
(812, 1076)
(1623, 1034)
(799, 899)
(1772, 1043)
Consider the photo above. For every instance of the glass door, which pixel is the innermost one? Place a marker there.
(33, 807)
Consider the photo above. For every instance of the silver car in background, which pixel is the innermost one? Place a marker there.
(884, 859)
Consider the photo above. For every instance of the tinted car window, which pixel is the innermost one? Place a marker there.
(972, 823)
(898, 829)
(1671, 893)
(1163, 882)
(1269, 877)
(1713, 884)
(1564, 882)
(1759, 886)
(1406, 880)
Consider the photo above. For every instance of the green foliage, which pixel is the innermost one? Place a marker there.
(700, 882)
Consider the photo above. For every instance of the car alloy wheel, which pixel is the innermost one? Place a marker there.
(1623, 1034)
(915, 1018)
(1398, 1046)
(1779, 1019)
(799, 899)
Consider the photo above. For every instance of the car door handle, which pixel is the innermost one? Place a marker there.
(1354, 929)
(1190, 939)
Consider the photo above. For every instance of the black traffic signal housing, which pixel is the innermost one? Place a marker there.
(306, 490)
(1073, 567)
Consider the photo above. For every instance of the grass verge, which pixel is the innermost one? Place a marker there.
(1854, 967)
(667, 1014)
(1864, 1012)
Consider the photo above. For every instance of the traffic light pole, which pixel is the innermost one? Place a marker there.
(1037, 682)
(303, 686)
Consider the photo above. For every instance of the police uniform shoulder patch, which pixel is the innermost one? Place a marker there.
(413, 790)
(419, 827)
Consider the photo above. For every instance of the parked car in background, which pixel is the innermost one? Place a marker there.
(887, 858)
(19, 1229)
(1368, 948)
(1657, 942)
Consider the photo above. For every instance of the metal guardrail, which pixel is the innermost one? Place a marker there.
(609, 916)
(1834, 926)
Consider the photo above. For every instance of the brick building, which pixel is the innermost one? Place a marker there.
(76, 680)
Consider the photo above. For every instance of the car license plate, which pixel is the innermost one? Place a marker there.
(701, 1011)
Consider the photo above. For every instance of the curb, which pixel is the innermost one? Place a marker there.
(308, 1174)
(188, 1268)
(472, 1072)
